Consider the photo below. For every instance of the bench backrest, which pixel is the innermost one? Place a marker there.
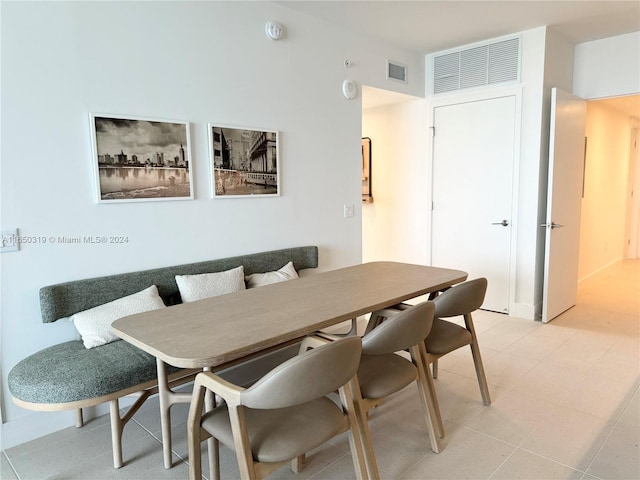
(64, 299)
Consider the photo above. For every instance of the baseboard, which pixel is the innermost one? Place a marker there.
(39, 424)
(600, 269)
(522, 310)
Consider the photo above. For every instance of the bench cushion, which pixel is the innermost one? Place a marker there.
(260, 279)
(206, 285)
(69, 372)
(94, 325)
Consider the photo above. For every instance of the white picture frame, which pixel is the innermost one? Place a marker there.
(244, 162)
(140, 159)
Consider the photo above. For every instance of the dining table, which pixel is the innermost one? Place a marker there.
(217, 332)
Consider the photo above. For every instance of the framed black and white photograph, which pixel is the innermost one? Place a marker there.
(140, 159)
(244, 162)
(367, 193)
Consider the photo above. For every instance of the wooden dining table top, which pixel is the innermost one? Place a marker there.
(218, 330)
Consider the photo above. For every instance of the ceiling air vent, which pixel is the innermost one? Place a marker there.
(479, 66)
(396, 71)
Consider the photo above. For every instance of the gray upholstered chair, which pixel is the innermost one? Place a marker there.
(445, 337)
(382, 372)
(282, 416)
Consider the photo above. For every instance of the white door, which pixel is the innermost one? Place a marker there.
(473, 158)
(564, 203)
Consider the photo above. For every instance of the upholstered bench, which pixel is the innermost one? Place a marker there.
(69, 376)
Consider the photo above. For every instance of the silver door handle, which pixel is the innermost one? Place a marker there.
(504, 223)
(551, 225)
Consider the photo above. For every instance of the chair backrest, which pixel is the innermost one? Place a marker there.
(310, 375)
(462, 299)
(400, 332)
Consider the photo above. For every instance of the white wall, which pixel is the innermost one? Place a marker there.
(395, 225)
(607, 68)
(190, 61)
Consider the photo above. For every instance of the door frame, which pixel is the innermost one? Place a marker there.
(632, 221)
(455, 98)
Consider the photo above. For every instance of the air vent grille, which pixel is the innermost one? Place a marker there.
(396, 71)
(478, 66)
(447, 72)
(503, 61)
(473, 67)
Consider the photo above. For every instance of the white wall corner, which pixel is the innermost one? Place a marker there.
(608, 67)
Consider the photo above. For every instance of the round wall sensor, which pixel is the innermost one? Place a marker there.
(273, 30)
(349, 89)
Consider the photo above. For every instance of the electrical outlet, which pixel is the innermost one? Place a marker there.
(9, 241)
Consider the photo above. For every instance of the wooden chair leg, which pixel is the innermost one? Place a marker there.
(482, 379)
(195, 457)
(213, 449)
(435, 368)
(213, 446)
(477, 360)
(364, 461)
(434, 400)
(195, 433)
(426, 399)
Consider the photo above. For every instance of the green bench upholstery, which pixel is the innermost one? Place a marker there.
(70, 377)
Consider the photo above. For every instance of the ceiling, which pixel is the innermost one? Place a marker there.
(426, 26)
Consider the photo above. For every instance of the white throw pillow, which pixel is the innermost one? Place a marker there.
(94, 325)
(206, 285)
(259, 279)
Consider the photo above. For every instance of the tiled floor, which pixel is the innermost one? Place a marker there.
(566, 405)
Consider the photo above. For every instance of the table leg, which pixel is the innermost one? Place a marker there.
(167, 398)
(165, 412)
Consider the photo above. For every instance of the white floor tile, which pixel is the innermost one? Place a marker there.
(631, 415)
(6, 470)
(619, 457)
(511, 417)
(549, 381)
(600, 396)
(466, 455)
(569, 437)
(524, 465)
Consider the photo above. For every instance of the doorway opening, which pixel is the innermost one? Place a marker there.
(611, 198)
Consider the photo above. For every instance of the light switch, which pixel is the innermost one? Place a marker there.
(9, 241)
(348, 211)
